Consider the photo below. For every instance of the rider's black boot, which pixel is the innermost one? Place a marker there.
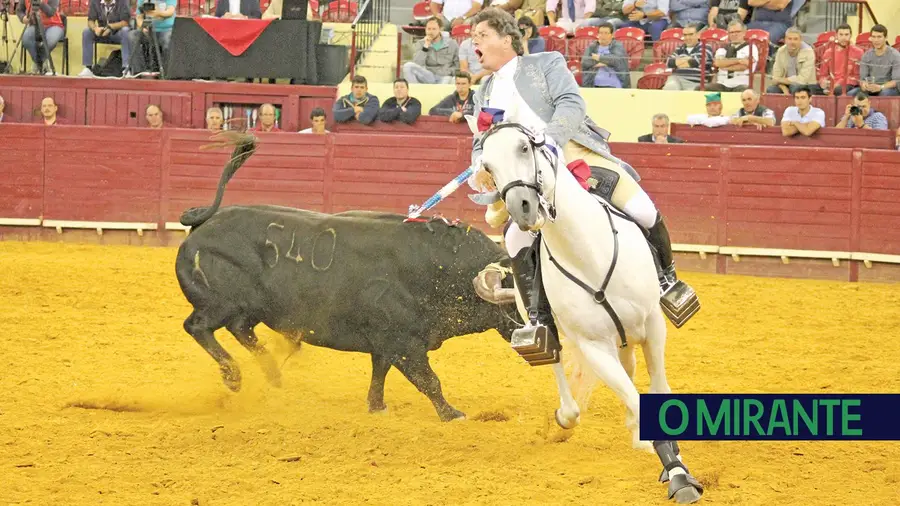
(678, 300)
(538, 342)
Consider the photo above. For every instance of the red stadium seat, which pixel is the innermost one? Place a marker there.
(654, 78)
(340, 11)
(575, 68)
(579, 45)
(555, 37)
(663, 48)
(633, 40)
(422, 11)
(714, 37)
(672, 33)
(461, 33)
(586, 31)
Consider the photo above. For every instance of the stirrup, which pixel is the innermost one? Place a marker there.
(535, 344)
(679, 302)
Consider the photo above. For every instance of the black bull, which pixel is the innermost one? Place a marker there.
(355, 281)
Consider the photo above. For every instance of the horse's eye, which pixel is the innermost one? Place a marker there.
(524, 148)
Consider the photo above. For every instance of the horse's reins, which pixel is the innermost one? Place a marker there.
(599, 296)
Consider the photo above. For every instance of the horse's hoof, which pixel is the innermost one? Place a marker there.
(685, 489)
(378, 410)
(274, 379)
(453, 416)
(232, 379)
(567, 423)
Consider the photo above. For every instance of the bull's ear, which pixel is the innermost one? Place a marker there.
(473, 124)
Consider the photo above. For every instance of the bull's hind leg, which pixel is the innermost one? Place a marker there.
(242, 330)
(418, 371)
(380, 368)
(201, 328)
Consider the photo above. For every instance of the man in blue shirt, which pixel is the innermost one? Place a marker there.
(865, 117)
(142, 51)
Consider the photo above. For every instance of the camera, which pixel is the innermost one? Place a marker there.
(147, 6)
(855, 110)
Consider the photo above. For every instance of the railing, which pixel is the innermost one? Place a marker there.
(364, 31)
(185, 7)
(842, 8)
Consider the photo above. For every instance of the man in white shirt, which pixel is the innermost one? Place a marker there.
(575, 13)
(802, 118)
(733, 61)
(713, 117)
(317, 116)
(455, 12)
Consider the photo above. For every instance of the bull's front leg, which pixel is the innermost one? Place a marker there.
(380, 368)
(418, 371)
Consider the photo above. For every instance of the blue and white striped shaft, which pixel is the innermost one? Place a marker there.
(446, 191)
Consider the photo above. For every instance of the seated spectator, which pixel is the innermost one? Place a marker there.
(713, 117)
(660, 133)
(468, 62)
(608, 12)
(107, 23)
(685, 62)
(48, 112)
(879, 69)
(652, 16)
(454, 12)
(575, 13)
(795, 65)
(752, 112)
(723, 12)
(535, 43)
(835, 75)
(238, 9)
(154, 116)
(773, 16)
(359, 104)
(53, 32)
(861, 114)
(267, 115)
(459, 103)
(533, 9)
(733, 61)
(215, 120)
(2, 106)
(605, 62)
(317, 116)
(140, 46)
(802, 118)
(401, 106)
(435, 58)
(276, 6)
(688, 12)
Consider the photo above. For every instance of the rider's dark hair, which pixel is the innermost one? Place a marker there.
(503, 23)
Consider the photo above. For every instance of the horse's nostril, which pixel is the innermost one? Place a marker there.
(525, 206)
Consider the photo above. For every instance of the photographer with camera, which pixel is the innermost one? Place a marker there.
(860, 114)
(107, 23)
(150, 41)
(50, 20)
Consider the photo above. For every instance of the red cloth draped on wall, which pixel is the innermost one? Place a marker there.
(235, 35)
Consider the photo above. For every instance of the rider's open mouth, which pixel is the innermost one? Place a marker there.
(478, 54)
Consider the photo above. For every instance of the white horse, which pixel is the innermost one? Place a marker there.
(584, 243)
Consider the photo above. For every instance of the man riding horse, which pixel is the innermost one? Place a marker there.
(538, 92)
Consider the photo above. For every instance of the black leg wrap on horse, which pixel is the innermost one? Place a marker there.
(678, 300)
(667, 451)
(538, 343)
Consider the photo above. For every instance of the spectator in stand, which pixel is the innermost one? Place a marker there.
(575, 13)
(238, 9)
(773, 16)
(723, 12)
(652, 16)
(107, 22)
(468, 61)
(733, 61)
(660, 133)
(154, 116)
(752, 112)
(267, 115)
(317, 116)
(459, 103)
(879, 69)
(688, 12)
(713, 117)
(276, 6)
(2, 106)
(401, 106)
(608, 12)
(802, 118)
(861, 114)
(215, 120)
(48, 112)
(795, 65)
(435, 57)
(359, 104)
(139, 41)
(685, 62)
(833, 70)
(532, 40)
(533, 9)
(53, 32)
(454, 12)
(605, 62)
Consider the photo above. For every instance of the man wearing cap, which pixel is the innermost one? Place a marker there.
(713, 117)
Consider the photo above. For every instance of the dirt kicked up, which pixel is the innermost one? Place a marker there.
(104, 399)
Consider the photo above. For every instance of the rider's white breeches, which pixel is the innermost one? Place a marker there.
(516, 240)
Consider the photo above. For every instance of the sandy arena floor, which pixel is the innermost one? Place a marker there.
(101, 326)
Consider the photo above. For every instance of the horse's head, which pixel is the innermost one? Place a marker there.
(522, 168)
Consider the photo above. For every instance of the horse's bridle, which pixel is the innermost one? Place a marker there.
(538, 145)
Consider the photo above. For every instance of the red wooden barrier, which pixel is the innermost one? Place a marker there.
(425, 125)
(829, 137)
(22, 172)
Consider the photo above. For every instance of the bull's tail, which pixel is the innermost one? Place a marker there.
(244, 146)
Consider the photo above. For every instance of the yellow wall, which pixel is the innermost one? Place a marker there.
(888, 14)
(625, 113)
